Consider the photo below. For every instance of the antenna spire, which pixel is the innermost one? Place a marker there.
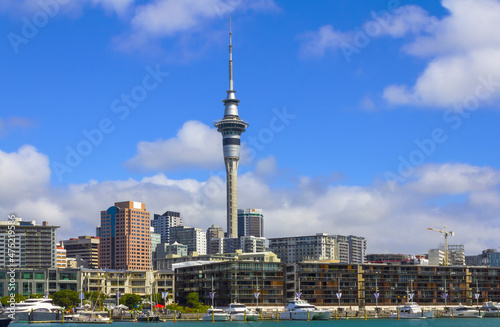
(230, 58)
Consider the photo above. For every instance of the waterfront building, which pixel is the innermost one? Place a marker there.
(233, 281)
(125, 241)
(194, 238)
(250, 222)
(215, 232)
(30, 281)
(163, 223)
(85, 249)
(141, 282)
(231, 127)
(489, 257)
(36, 247)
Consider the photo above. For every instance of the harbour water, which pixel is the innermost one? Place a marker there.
(485, 322)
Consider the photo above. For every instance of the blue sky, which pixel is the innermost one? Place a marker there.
(371, 118)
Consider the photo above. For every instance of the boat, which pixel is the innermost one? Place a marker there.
(36, 305)
(148, 317)
(490, 309)
(298, 309)
(463, 311)
(4, 322)
(411, 310)
(239, 312)
(89, 316)
(216, 314)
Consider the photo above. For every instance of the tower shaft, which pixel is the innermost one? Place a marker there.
(231, 127)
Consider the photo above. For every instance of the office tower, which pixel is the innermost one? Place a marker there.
(231, 127)
(250, 222)
(155, 240)
(35, 245)
(194, 238)
(85, 249)
(163, 223)
(214, 232)
(125, 237)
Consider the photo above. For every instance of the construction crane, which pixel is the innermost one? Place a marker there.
(446, 233)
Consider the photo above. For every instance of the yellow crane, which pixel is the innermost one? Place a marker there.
(446, 233)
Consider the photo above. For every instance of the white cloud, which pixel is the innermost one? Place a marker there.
(196, 145)
(463, 48)
(166, 18)
(391, 221)
(402, 21)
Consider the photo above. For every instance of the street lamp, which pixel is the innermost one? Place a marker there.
(339, 293)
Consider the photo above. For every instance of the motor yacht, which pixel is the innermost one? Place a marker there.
(298, 309)
(491, 309)
(216, 315)
(36, 305)
(463, 311)
(238, 312)
(411, 310)
(89, 316)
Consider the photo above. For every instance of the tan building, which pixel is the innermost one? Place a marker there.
(85, 249)
(125, 241)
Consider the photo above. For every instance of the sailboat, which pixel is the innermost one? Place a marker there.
(214, 314)
(410, 309)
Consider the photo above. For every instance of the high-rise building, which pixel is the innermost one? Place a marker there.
(357, 249)
(163, 223)
(155, 240)
(456, 254)
(194, 238)
(36, 247)
(300, 248)
(250, 222)
(231, 127)
(61, 257)
(125, 237)
(85, 249)
(252, 244)
(321, 246)
(214, 232)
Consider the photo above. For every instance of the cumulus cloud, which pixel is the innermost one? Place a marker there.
(196, 145)
(463, 51)
(165, 18)
(397, 23)
(392, 221)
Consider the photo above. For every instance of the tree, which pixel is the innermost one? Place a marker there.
(95, 297)
(130, 300)
(193, 300)
(66, 298)
(18, 298)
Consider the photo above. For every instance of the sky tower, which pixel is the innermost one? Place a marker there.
(231, 127)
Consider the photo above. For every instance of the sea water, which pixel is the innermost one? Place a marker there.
(442, 322)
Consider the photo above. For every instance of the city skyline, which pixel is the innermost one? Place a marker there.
(378, 121)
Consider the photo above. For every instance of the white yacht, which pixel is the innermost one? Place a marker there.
(411, 310)
(298, 309)
(36, 305)
(89, 316)
(463, 311)
(216, 315)
(491, 309)
(238, 312)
